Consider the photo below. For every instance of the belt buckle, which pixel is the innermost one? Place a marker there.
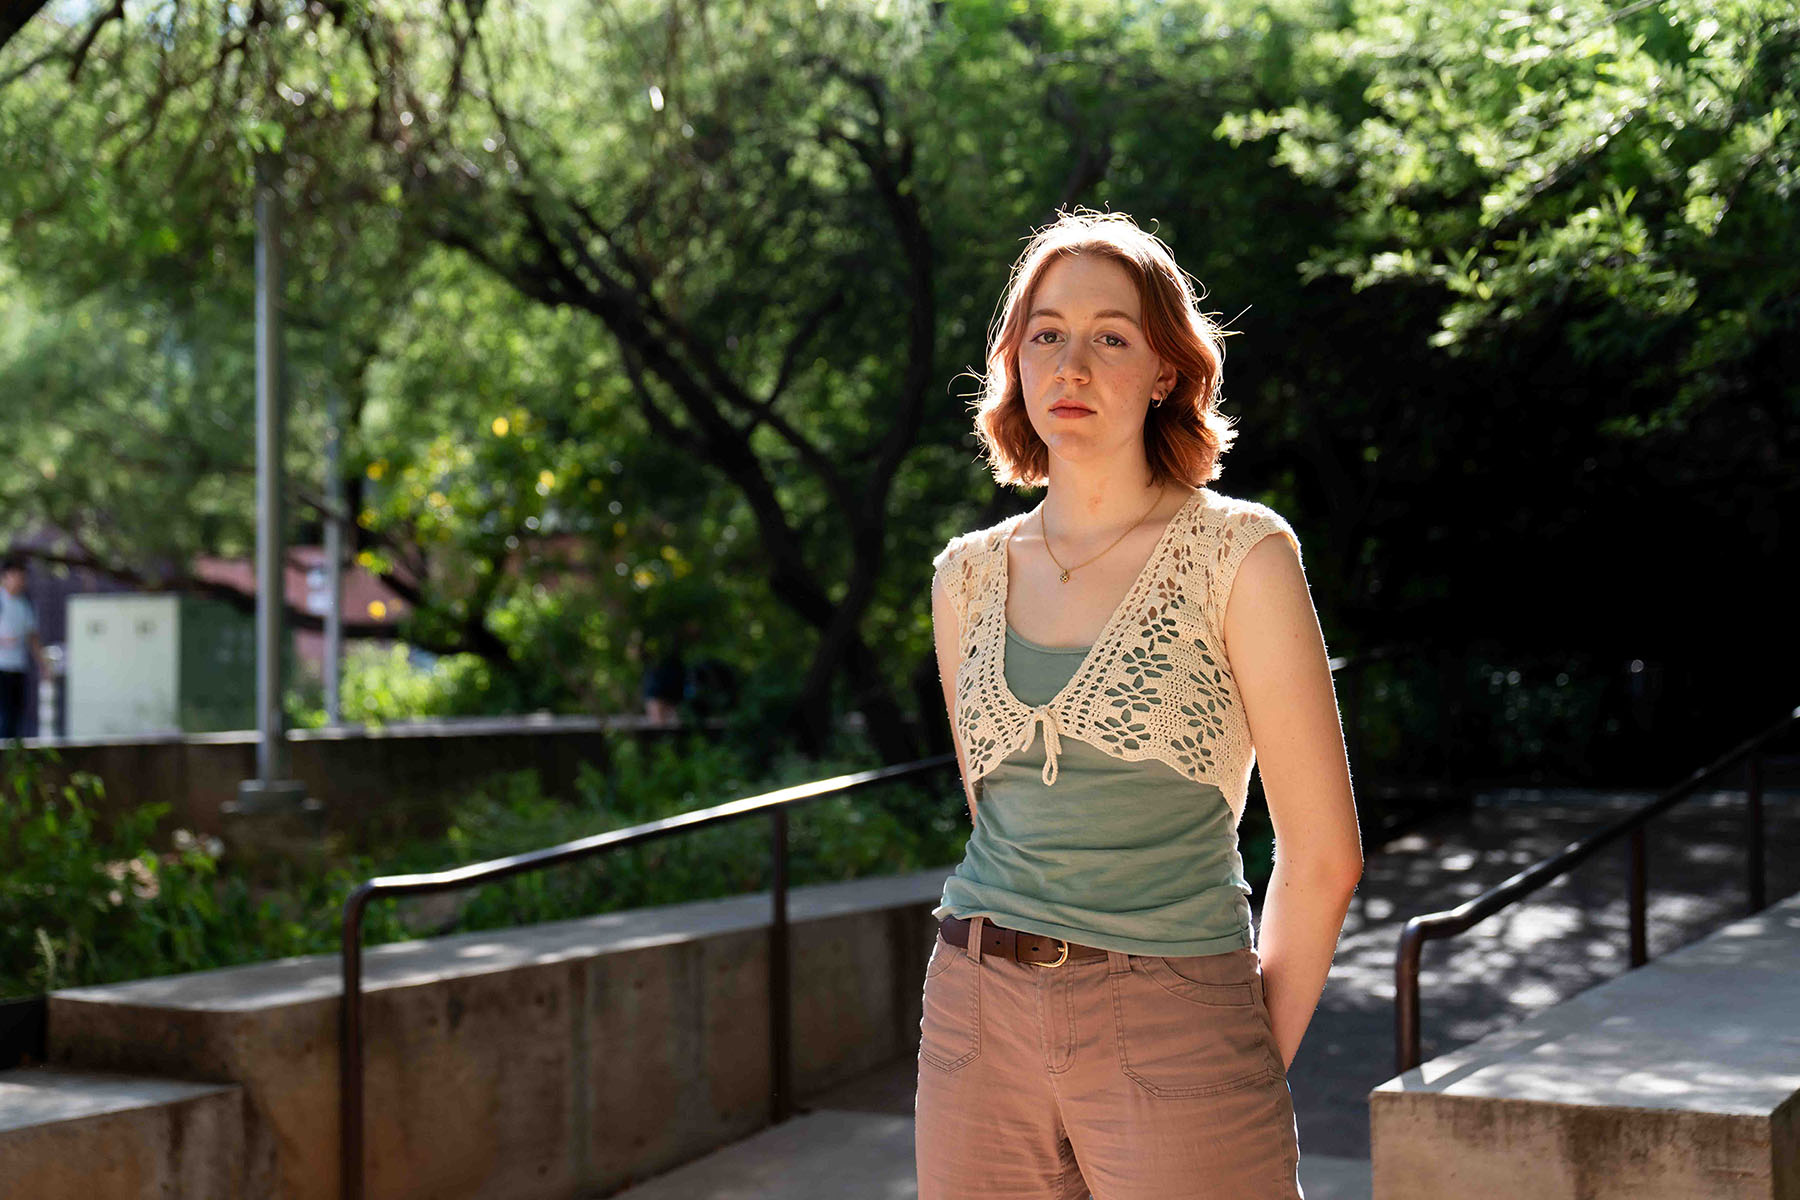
(1060, 960)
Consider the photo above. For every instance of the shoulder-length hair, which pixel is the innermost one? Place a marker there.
(1184, 436)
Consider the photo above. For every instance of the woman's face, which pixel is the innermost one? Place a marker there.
(1085, 367)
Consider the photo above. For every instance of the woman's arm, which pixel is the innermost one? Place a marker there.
(944, 632)
(1277, 655)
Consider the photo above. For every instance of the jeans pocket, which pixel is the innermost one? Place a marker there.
(942, 955)
(1214, 984)
(1178, 1037)
(950, 1030)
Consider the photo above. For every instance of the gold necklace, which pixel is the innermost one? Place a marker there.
(1116, 541)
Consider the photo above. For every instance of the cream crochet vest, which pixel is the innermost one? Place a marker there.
(1154, 683)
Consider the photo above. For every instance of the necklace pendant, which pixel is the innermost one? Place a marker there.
(1065, 577)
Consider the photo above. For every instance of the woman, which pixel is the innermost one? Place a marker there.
(1098, 1016)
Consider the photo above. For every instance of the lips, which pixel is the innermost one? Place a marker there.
(1069, 409)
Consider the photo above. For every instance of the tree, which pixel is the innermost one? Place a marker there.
(1595, 203)
(747, 206)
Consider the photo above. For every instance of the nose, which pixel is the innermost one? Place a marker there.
(1070, 364)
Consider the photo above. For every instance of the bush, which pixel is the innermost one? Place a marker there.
(382, 684)
(835, 838)
(84, 902)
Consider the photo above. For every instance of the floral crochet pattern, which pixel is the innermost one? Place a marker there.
(1154, 684)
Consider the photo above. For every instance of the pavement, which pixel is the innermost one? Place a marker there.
(857, 1140)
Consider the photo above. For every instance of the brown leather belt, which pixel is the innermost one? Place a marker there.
(1035, 948)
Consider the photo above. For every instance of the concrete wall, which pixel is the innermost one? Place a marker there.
(1677, 1080)
(91, 1136)
(365, 777)
(555, 1060)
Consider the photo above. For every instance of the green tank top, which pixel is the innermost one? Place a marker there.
(1128, 856)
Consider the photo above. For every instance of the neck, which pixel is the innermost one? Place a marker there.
(1081, 507)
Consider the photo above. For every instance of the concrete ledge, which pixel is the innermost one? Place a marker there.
(102, 1136)
(408, 774)
(553, 1059)
(1678, 1079)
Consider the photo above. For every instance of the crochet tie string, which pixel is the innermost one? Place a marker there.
(1052, 738)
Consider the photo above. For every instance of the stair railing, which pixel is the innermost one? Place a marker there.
(1446, 924)
(774, 805)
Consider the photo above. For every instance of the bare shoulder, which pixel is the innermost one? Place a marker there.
(1270, 608)
(1259, 571)
(1270, 566)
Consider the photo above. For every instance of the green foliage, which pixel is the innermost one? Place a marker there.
(89, 901)
(382, 684)
(1540, 719)
(602, 344)
(1620, 176)
(1497, 714)
(742, 164)
(895, 828)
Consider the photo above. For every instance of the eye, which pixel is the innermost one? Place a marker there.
(1119, 343)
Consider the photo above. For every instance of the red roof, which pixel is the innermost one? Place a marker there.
(362, 587)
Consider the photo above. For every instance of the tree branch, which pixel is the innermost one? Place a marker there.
(80, 53)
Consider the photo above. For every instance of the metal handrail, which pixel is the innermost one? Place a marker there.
(1446, 924)
(774, 804)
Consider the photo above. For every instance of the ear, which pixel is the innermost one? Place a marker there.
(1166, 376)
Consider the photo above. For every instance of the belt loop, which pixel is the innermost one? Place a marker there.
(1118, 962)
(974, 947)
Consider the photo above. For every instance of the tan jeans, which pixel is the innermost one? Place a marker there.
(1130, 1077)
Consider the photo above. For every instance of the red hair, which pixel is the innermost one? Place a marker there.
(1184, 436)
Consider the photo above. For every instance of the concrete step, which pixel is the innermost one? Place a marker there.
(857, 1140)
(93, 1135)
(1678, 1079)
(563, 1058)
(1562, 940)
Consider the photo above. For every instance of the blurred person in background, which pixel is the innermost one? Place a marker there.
(18, 635)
